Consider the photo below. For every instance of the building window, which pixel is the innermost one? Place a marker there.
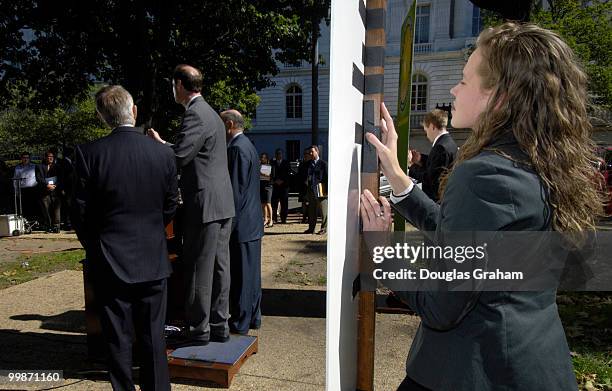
(421, 31)
(293, 101)
(476, 21)
(418, 98)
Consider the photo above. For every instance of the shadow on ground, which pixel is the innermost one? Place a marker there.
(44, 351)
(293, 303)
(70, 321)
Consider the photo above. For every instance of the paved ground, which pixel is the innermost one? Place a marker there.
(42, 321)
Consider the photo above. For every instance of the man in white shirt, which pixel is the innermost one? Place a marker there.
(429, 168)
(26, 172)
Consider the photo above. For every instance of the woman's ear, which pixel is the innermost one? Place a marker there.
(499, 99)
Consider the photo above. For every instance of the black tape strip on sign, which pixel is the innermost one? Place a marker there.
(358, 79)
(374, 84)
(358, 133)
(369, 159)
(375, 18)
(374, 56)
(362, 12)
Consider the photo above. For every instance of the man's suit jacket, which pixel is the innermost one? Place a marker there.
(317, 173)
(487, 340)
(43, 172)
(432, 166)
(125, 194)
(201, 156)
(243, 164)
(302, 175)
(67, 169)
(281, 171)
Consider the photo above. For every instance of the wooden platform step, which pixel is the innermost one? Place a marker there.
(215, 362)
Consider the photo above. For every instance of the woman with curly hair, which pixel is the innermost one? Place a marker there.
(525, 167)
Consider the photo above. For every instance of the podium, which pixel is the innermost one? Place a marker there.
(216, 362)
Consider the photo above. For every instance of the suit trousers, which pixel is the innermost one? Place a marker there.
(29, 197)
(50, 206)
(123, 306)
(315, 205)
(280, 194)
(245, 289)
(207, 273)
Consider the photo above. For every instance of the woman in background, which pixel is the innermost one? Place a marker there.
(525, 167)
(265, 189)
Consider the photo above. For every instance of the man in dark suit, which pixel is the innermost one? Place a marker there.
(280, 192)
(201, 154)
(429, 168)
(316, 191)
(67, 168)
(247, 230)
(302, 179)
(125, 194)
(50, 178)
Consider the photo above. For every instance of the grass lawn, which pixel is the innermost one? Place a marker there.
(587, 319)
(29, 267)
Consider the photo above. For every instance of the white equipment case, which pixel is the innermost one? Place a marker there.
(11, 224)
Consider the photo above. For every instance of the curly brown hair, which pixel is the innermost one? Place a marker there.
(539, 93)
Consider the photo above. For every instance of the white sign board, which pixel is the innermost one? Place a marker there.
(345, 111)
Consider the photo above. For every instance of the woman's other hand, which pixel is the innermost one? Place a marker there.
(374, 216)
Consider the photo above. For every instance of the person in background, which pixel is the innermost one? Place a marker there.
(280, 191)
(316, 191)
(302, 179)
(6, 189)
(26, 170)
(49, 177)
(65, 162)
(265, 189)
(429, 168)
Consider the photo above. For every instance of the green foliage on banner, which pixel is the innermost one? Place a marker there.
(404, 97)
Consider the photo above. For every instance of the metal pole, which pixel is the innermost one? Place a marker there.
(315, 82)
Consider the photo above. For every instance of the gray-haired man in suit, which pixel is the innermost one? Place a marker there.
(125, 194)
(247, 230)
(206, 189)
